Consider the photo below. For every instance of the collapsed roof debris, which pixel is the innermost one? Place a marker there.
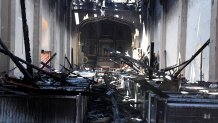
(118, 96)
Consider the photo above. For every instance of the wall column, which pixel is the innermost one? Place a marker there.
(213, 62)
(163, 37)
(12, 28)
(183, 9)
(5, 33)
(37, 32)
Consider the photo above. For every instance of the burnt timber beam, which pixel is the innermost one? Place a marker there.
(49, 67)
(192, 58)
(147, 86)
(26, 36)
(15, 59)
(46, 63)
(68, 61)
(151, 60)
(31, 91)
(33, 66)
(134, 61)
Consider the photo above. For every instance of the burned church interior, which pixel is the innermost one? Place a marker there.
(108, 61)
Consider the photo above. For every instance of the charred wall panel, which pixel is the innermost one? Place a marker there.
(37, 109)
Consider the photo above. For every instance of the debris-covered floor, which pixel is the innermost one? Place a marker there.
(134, 93)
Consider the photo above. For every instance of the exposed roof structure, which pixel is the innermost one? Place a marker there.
(108, 18)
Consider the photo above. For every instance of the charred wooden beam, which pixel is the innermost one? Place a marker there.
(151, 60)
(192, 58)
(26, 36)
(11, 91)
(133, 61)
(32, 91)
(173, 67)
(46, 63)
(147, 86)
(49, 67)
(15, 59)
(68, 61)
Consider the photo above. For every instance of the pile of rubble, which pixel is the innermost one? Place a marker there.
(140, 93)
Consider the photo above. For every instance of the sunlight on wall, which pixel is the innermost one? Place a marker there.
(45, 34)
(144, 41)
(44, 24)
